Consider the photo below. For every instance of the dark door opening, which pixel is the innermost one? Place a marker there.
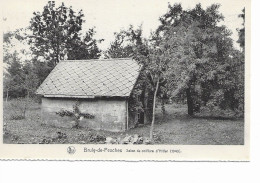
(140, 116)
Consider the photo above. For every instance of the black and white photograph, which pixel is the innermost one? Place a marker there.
(132, 73)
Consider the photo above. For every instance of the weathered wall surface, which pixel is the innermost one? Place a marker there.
(110, 114)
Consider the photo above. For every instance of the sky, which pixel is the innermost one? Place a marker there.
(109, 16)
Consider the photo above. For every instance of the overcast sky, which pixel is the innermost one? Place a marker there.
(109, 16)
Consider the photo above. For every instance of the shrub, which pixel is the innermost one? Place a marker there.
(76, 114)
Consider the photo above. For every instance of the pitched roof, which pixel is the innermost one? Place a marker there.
(91, 78)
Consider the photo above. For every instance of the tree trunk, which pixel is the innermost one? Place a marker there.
(163, 107)
(154, 101)
(189, 101)
(144, 102)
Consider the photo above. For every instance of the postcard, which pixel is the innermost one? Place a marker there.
(125, 80)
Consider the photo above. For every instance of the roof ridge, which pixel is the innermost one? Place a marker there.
(91, 60)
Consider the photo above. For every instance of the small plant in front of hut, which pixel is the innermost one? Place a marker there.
(64, 113)
(76, 114)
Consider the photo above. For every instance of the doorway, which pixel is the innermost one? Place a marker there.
(140, 117)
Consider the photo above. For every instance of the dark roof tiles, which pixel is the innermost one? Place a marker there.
(111, 77)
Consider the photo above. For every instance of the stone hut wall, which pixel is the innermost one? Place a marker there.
(109, 114)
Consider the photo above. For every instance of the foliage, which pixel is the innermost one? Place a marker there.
(127, 43)
(20, 79)
(76, 114)
(14, 77)
(31, 79)
(119, 48)
(52, 29)
(63, 113)
(241, 32)
(85, 48)
(56, 33)
(200, 54)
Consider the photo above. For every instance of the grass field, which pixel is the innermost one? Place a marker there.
(173, 128)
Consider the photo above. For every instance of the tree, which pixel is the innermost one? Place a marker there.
(14, 77)
(6, 85)
(124, 43)
(199, 50)
(31, 79)
(238, 69)
(87, 48)
(56, 33)
(154, 71)
(117, 48)
(241, 32)
(20, 78)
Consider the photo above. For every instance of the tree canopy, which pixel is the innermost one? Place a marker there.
(57, 33)
(241, 31)
(200, 53)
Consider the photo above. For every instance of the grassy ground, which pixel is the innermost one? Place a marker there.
(174, 128)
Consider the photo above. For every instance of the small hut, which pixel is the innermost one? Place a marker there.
(102, 89)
